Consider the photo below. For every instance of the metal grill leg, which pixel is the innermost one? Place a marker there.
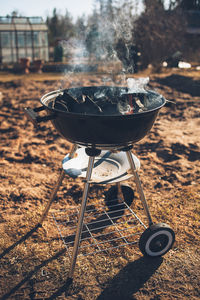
(56, 188)
(139, 186)
(81, 216)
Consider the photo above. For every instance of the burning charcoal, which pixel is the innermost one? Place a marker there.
(136, 102)
(109, 108)
(83, 99)
(60, 105)
(126, 104)
(65, 102)
(107, 105)
(106, 101)
(86, 106)
(139, 103)
(123, 107)
(100, 95)
(152, 100)
(87, 100)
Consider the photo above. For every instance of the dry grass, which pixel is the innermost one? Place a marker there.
(40, 263)
(34, 262)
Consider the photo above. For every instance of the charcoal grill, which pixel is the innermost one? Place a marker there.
(99, 131)
(102, 154)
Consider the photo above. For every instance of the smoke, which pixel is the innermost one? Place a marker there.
(106, 46)
(107, 42)
(137, 85)
(76, 56)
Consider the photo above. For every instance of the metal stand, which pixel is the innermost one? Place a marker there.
(81, 216)
(82, 210)
(92, 229)
(56, 188)
(139, 186)
(52, 197)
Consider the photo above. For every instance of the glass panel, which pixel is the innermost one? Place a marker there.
(14, 52)
(20, 20)
(21, 39)
(13, 40)
(29, 52)
(44, 54)
(36, 38)
(28, 39)
(5, 40)
(36, 20)
(36, 53)
(6, 55)
(5, 20)
(21, 53)
(42, 51)
(40, 38)
(44, 38)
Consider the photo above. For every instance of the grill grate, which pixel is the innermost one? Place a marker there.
(103, 229)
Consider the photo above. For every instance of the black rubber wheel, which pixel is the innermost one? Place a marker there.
(156, 240)
(111, 196)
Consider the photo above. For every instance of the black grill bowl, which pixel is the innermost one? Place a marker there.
(100, 131)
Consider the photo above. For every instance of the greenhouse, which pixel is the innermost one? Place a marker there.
(23, 37)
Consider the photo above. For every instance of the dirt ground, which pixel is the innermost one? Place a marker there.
(34, 262)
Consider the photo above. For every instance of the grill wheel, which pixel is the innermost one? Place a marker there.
(156, 240)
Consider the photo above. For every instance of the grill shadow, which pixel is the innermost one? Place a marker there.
(130, 279)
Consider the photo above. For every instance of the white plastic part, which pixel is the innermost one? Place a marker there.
(108, 167)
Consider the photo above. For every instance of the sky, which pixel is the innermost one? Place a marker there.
(44, 8)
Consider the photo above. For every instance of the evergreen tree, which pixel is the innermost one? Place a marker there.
(60, 27)
(190, 4)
